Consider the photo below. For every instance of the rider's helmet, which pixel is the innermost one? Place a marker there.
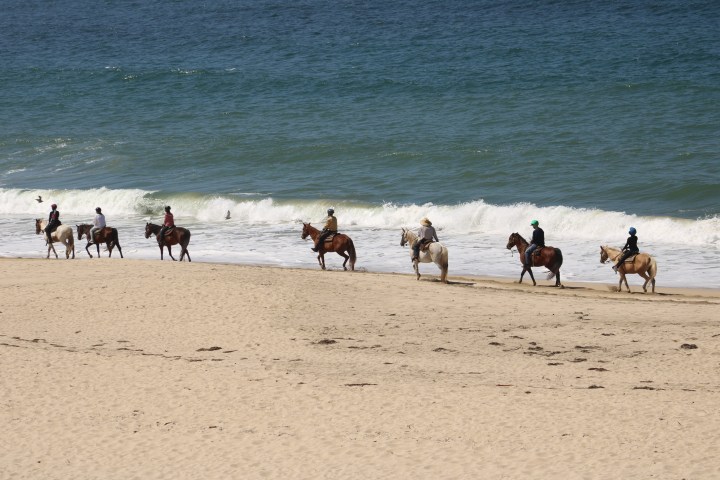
(534, 222)
(632, 231)
(331, 211)
(53, 206)
(98, 209)
(167, 209)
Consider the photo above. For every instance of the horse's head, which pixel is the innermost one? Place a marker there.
(148, 230)
(80, 231)
(306, 231)
(403, 238)
(603, 255)
(513, 240)
(38, 226)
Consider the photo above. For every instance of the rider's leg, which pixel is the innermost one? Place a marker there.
(320, 241)
(528, 255)
(48, 233)
(161, 236)
(620, 261)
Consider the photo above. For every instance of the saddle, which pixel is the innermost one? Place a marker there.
(426, 246)
(538, 251)
(103, 233)
(330, 237)
(169, 231)
(631, 258)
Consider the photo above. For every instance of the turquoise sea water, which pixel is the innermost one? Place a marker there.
(590, 117)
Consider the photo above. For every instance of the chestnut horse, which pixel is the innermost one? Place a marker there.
(642, 264)
(177, 236)
(339, 243)
(62, 234)
(549, 257)
(107, 235)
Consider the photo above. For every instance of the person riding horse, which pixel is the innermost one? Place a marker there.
(168, 223)
(629, 249)
(538, 241)
(53, 222)
(98, 224)
(426, 234)
(330, 228)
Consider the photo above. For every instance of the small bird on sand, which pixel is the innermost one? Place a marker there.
(39, 199)
(227, 215)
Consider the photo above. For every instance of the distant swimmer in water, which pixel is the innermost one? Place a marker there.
(39, 199)
(227, 215)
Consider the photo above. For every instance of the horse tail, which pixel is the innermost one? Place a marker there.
(653, 268)
(555, 267)
(351, 252)
(445, 264)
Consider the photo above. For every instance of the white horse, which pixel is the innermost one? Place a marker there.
(62, 234)
(642, 264)
(436, 253)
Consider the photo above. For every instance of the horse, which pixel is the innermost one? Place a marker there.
(62, 234)
(642, 264)
(178, 235)
(107, 235)
(436, 252)
(549, 257)
(339, 243)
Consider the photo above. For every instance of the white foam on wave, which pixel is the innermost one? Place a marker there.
(563, 223)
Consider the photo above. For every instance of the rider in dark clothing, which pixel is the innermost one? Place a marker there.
(538, 241)
(629, 249)
(53, 222)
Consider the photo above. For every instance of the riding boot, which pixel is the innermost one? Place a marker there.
(315, 248)
(615, 268)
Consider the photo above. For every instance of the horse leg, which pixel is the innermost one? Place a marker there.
(51, 247)
(87, 249)
(416, 267)
(321, 259)
(623, 278)
(97, 245)
(346, 257)
(169, 248)
(646, 278)
(557, 279)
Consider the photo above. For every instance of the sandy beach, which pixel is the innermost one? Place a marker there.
(126, 369)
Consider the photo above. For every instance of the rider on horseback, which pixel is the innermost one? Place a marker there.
(426, 234)
(98, 224)
(53, 222)
(168, 223)
(329, 229)
(538, 241)
(629, 249)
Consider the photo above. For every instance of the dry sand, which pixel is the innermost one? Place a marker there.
(121, 369)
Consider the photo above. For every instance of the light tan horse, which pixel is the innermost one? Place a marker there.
(436, 253)
(62, 234)
(642, 264)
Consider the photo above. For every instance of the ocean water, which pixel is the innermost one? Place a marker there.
(591, 117)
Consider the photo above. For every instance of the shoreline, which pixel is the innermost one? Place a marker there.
(432, 276)
(149, 369)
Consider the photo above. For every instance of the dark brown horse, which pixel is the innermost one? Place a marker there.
(176, 236)
(339, 243)
(107, 235)
(549, 257)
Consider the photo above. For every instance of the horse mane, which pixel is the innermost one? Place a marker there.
(522, 239)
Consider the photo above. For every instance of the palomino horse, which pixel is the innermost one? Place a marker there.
(107, 235)
(642, 264)
(339, 243)
(549, 257)
(62, 234)
(436, 252)
(178, 235)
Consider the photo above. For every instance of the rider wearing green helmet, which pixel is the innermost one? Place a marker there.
(538, 241)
